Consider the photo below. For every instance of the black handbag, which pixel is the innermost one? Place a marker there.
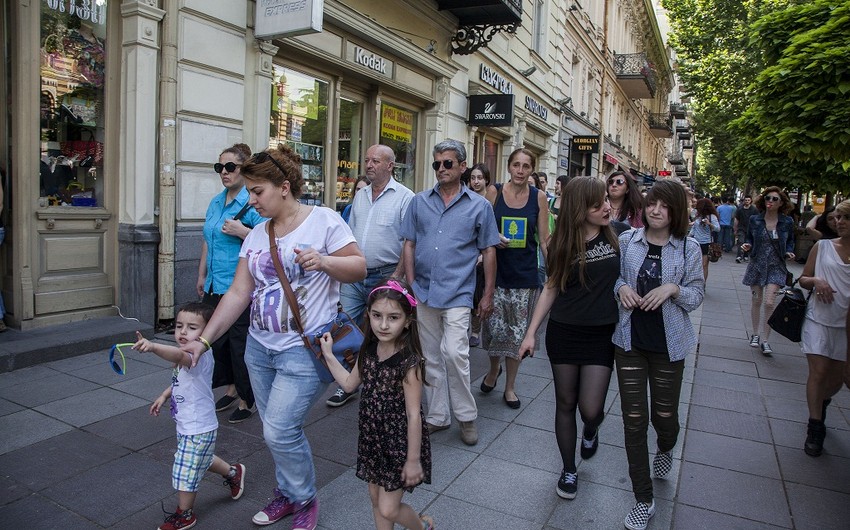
(790, 313)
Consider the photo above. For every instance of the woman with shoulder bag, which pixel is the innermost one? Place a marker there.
(770, 241)
(824, 338)
(318, 252)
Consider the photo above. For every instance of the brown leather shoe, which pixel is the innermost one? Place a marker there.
(468, 432)
(435, 428)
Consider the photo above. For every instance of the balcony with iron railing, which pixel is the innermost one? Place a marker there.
(676, 157)
(678, 110)
(635, 74)
(660, 125)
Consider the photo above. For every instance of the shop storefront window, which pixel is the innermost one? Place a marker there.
(486, 151)
(350, 150)
(398, 130)
(299, 118)
(491, 158)
(72, 118)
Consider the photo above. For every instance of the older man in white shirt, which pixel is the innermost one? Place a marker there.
(376, 214)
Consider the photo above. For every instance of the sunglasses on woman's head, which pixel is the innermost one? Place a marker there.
(262, 156)
(618, 181)
(445, 163)
(230, 167)
(772, 198)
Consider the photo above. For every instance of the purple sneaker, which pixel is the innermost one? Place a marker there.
(307, 515)
(276, 510)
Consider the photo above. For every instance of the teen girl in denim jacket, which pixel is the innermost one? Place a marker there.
(770, 241)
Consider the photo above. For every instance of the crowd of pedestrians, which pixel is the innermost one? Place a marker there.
(612, 273)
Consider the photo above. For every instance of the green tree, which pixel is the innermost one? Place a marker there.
(769, 83)
(799, 107)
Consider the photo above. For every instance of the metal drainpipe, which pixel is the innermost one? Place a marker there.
(167, 161)
(603, 82)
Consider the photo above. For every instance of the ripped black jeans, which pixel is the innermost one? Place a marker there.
(634, 369)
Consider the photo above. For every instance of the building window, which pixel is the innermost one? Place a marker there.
(71, 117)
(299, 119)
(349, 150)
(398, 130)
(538, 37)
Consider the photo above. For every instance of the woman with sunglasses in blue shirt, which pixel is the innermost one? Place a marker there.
(228, 221)
(770, 241)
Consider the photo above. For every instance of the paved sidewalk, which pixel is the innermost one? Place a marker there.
(79, 450)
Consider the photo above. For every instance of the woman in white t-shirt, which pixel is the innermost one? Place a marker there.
(317, 251)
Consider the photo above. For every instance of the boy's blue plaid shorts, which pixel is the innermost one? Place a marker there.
(192, 459)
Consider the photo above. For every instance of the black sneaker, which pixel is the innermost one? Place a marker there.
(739, 260)
(589, 446)
(225, 402)
(766, 350)
(340, 398)
(755, 340)
(240, 415)
(814, 439)
(567, 485)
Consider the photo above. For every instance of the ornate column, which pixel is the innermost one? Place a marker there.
(138, 234)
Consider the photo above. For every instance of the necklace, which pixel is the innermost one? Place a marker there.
(289, 223)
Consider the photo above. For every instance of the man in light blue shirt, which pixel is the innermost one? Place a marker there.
(445, 229)
(377, 212)
(726, 212)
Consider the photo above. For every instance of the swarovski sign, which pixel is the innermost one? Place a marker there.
(491, 109)
(536, 108)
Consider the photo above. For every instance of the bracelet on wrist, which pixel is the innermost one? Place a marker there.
(205, 342)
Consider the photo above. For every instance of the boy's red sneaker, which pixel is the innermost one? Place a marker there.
(179, 520)
(237, 483)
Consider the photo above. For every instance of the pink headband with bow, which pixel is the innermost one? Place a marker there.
(395, 286)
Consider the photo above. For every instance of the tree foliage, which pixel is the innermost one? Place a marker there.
(769, 81)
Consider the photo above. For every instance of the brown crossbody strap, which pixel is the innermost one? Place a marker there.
(284, 282)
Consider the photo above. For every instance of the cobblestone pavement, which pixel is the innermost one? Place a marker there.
(79, 450)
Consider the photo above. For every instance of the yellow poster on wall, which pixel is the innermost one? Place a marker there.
(818, 203)
(396, 123)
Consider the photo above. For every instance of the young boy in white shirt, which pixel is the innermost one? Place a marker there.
(193, 409)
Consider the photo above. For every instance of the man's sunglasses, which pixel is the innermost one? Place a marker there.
(445, 163)
(119, 364)
(262, 156)
(230, 167)
(617, 181)
(771, 198)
